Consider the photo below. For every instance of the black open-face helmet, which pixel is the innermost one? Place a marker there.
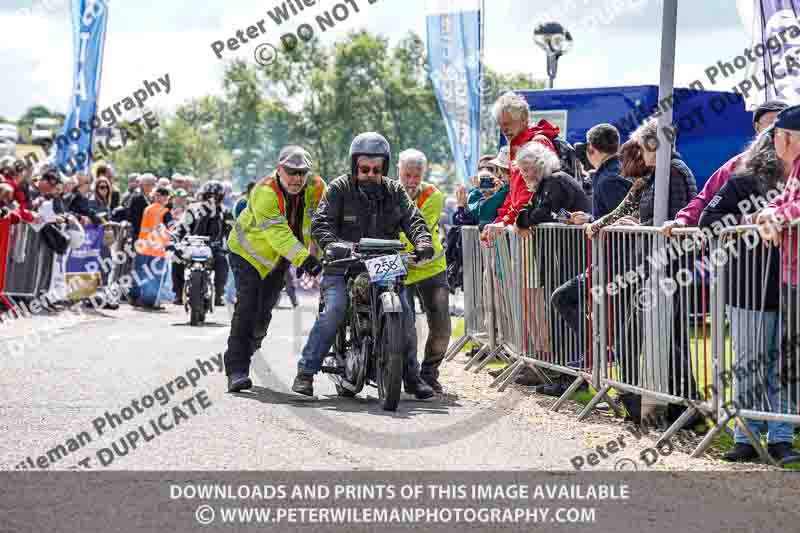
(212, 189)
(373, 145)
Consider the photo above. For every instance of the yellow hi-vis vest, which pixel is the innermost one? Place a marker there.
(261, 234)
(430, 202)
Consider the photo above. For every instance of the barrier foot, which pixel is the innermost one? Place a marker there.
(708, 438)
(593, 403)
(510, 368)
(613, 405)
(568, 393)
(503, 357)
(756, 442)
(455, 348)
(510, 379)
(676, 426)
(475, 358)
(488, 359)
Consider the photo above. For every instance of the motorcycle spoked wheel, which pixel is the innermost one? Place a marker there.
(356, 370)
(197, 295)
(390, 361)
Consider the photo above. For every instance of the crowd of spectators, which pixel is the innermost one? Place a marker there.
(61, 207)
(524, 186)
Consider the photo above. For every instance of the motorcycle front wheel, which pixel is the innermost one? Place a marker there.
(390, 361)
(197, 293)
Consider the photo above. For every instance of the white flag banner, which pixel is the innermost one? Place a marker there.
(773, 61)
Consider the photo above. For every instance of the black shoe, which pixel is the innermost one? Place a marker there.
(219, 302)
(431, 380)
(528, 378)
(177, 301)
(633, 405)
(741, 452)
(418, 388)
(303, 384)
(239, 382)
(113, 306)
(781, 451)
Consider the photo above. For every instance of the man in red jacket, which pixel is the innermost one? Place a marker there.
(512, 114)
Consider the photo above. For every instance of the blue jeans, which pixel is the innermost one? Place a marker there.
(148, 275)
(323, 333)
(756, 334)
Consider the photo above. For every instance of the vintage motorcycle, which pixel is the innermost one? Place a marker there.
(369, 346)
(199, 275)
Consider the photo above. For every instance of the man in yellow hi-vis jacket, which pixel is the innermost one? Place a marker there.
(428, 278)
(269, 234)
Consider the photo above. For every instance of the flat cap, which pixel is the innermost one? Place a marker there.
(789, 119)
(770, 106)
(294, 157)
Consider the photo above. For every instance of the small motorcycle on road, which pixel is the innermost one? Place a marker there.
(199, 275)
(369, 346)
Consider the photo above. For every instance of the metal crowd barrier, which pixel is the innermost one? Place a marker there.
(654, 326)
(29, 263)
(119, 246)
(755, 374)
(475, 309)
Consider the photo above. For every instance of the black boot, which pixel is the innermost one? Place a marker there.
(303, 384)
(239, 382)
(432, 379)
(741, 452)
(780, 451)
(418, 388)
(633, 405)
(219, 301)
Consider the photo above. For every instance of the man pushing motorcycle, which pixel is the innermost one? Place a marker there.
(361, 204)
(269, 234)
(428, 278)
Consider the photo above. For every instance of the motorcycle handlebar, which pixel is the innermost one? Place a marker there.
(356, 257)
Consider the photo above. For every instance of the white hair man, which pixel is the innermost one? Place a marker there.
(512, 115)
(427, 279)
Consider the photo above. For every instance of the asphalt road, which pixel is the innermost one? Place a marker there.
(58, 383)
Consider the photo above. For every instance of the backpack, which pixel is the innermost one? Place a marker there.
(455, 259)
(567, 156)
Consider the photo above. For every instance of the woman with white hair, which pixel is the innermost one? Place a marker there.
(553, 190)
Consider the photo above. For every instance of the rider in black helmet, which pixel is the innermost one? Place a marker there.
(206, 218)
(362, 203)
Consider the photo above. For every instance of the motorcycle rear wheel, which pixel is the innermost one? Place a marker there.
(390, 361)
(197, 307)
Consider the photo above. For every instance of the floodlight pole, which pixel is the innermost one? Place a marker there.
(665, 89)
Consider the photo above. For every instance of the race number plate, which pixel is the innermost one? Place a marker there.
(385, 268)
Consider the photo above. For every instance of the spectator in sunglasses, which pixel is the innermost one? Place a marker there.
(270, 234)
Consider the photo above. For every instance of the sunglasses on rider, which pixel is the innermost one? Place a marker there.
(295, 173)
(371, 170)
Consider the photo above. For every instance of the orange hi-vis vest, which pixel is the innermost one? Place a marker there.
(153, 236)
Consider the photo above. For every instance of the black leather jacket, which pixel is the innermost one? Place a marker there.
(347, 213)
(200, 220)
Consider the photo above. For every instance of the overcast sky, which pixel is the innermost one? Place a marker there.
(616, 42)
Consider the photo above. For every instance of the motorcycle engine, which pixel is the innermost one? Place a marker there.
(359, 291)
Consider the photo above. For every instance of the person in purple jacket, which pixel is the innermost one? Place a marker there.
(763, 117)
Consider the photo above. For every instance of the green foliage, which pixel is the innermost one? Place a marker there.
(316, 96)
